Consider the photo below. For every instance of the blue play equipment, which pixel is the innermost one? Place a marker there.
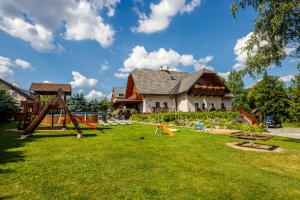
(199, 126)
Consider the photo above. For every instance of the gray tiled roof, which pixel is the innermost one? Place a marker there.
(118, 91)
(156, 81)
(165, 82)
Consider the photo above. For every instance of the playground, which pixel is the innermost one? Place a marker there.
(132, 162)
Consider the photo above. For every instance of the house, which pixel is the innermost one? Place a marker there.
(118, 94)
(156, 90)
(18, 94)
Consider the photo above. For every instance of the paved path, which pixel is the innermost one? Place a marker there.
(285, 132)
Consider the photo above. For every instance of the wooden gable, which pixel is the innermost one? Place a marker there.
(209, 84)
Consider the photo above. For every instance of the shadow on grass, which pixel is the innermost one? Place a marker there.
(6, 197)
(58, 135)
(288, 140)
(9, 140)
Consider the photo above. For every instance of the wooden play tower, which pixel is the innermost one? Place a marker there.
(35, 111)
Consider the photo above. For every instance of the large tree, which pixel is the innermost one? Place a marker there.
(294, 93)
(276, 33)
(270, 96)
(8, 106)
(77, 103)
(236, 85)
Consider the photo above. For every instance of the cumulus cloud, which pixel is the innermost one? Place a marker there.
(7, 66)
(47, 81)
(80, 81)
(224, 75)
(85, 24)
(121, 74)
(23, 64)
(240, 53)
(162, 14)
(203, 63)
(93, 94)
(6, 71)
(141, 58)
(287, 78)
(79, 20)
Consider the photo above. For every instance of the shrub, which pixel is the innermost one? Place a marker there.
(209, 120)
(8, 106)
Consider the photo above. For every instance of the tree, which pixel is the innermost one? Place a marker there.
(294, 93)
(77, 103)
(270, 96)
(236, 85)
(8, 107)
(92, 106)
(104, 105)
(276, 33)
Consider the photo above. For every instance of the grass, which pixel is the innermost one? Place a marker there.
(118, 164)
(291, 124)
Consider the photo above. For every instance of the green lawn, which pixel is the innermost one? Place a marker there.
(116, 163)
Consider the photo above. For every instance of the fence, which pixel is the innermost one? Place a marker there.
(57, 118)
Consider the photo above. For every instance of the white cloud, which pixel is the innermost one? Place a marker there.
(47, 81)
(202, 63)
(80, 81)
(38, 36)
(141, 58)
(6, 72)
(287, 78)
(162, 14)
(7, 65)
(224, 75)
(93, 94)
(240, 53)
(23, 64)
(121, 74)
(75, 20)
(84, 24)
(109, 96)
(104, 67)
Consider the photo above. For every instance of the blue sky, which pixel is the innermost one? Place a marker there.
(94, 44)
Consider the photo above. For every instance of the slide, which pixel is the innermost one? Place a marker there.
(167, 130)
(80, 119)
(199, 126)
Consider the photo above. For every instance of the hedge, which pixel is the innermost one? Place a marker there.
(209, 119)
(168, 117)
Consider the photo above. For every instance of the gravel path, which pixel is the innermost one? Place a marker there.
(285, 132)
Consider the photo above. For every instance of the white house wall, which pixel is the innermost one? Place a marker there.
(207, 100)
(15, 95)
(185, 103)
(150, 100)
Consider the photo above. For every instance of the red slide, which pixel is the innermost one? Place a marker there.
(80, 119)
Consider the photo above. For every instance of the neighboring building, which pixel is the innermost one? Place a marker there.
(18, 94)
(118, 94)
(155, 90)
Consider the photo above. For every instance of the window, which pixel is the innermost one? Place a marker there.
(121, 95)
(212, 107)
(165, 104)
(196, 106)
(203, 106)
(157, 104)
(223, 106)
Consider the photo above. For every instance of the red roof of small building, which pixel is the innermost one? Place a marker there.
(50, 88)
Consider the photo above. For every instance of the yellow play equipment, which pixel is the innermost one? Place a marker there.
(162, 128)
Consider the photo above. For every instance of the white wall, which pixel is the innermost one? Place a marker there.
(227, 102)
(149, 102)
(185, 103)
(15, 95)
